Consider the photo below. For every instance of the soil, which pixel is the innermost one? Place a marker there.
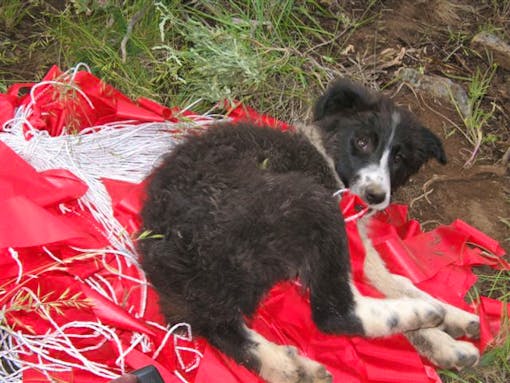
(479, 194)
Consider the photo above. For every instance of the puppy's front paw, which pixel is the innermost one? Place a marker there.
(381, 317)
(426, 314)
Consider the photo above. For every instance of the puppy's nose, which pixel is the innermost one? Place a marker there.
(374, 197)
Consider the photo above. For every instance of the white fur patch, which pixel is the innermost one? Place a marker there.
(376, 177)
(433, 343)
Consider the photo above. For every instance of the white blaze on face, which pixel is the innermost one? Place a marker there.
(373, 183)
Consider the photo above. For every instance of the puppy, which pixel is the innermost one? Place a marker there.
(242, 207)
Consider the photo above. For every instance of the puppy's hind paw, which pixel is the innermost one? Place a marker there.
(442, 350)
(458, 356)
(458, 324)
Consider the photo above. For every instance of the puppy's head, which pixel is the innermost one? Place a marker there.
(375, 145)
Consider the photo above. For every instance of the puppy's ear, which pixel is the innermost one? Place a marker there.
(343, 96)
(433, 147)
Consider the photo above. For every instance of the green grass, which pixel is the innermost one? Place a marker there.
(274, 55)
(268, 53)
(494, 365)
(11, 13)
(475, 123)
(95, 39)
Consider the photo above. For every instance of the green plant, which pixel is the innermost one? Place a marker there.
(269, 53)
(494, 365)
(12, 12)
(478, 117)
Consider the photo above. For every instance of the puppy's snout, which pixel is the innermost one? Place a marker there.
(375, 196)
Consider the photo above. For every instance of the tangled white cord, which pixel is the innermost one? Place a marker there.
(125, 151)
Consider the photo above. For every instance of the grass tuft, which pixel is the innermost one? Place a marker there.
(478, 118)
(272, 54)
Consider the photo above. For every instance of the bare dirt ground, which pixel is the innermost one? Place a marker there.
(440, 194)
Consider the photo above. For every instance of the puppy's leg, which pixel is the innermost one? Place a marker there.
(274, 363)
(381, 317)
(338, 307)
(457, 322)
(433, 343)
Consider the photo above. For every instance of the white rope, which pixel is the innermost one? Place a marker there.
(60, 340)
(14, 254)
(181, 378)
(135, 340)
(96, 286)
(170, 331)
(33, 96)
(358, 215)
(124, 151)
(125, 154)
(339, 192)
(52, 256)
(77, 67)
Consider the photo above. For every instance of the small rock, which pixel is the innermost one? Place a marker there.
(438, 87)
(485, 41)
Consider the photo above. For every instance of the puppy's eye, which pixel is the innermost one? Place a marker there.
(398, 158)
(363, 143)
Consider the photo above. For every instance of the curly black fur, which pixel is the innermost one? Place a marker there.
(242, 207)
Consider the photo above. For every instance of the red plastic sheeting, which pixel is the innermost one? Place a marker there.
(440, 261)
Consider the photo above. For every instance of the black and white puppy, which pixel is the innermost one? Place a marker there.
(241, 207)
